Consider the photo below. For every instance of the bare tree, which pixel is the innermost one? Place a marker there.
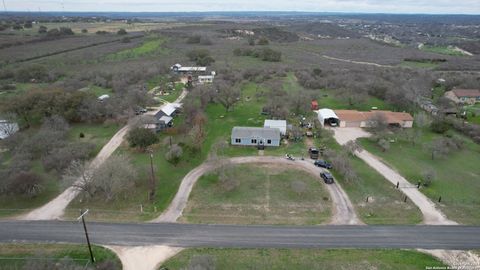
(79, 176)
(116, 176)
(352, 147)
(227, 94)
(437, 148)
(384, 144)
(428, 177)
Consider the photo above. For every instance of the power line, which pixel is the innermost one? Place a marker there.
(4, 6)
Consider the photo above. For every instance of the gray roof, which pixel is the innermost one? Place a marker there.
(255, 132)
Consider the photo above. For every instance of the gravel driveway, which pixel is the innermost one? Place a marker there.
(343, 211)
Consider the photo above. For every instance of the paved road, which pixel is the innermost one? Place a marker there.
(194, 235)
(343, 211)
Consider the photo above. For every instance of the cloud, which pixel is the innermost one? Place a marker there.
(387, 6)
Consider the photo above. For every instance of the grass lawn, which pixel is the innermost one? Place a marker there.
(264, 195)
(457, 176)
(14, 256)
(99, 91)
(151, 46)
(385, 204)
(447, 50)
(307, 259)
(98, 134)
(473, 113)
(418, 64)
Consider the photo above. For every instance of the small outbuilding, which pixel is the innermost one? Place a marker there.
(7, 129)
(255, 136)
(280, 124)
(328, 117)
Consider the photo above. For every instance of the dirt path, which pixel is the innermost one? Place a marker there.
(343, 211)
(56, 207)
(458, 259)
(145, 257)
(431, 215)
(356, 62)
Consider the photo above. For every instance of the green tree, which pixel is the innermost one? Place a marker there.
(142, 138)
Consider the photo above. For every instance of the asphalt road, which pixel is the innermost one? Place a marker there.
(194, 235)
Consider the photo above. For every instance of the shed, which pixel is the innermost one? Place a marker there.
(280, 124)
(328, 117)
(255, 136)
(7, 129)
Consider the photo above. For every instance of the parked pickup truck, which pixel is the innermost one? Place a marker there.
(313, 152)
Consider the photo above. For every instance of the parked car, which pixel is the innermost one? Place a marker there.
(323, 164)
(313, 152)
(327, 177)
(140, 111)
(289, 157)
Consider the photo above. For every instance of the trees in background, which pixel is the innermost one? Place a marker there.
(201, 57)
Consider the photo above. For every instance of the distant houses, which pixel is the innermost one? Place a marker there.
(201, 73)
(164, 117)
(464, 96)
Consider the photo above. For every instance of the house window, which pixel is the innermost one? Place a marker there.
(254, 141)
(238, 140)
(269, 141)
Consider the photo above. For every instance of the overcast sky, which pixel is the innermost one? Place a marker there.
(387, 6)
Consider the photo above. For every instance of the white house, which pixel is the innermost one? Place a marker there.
(7, 129)
(280, 124)
(255, 136)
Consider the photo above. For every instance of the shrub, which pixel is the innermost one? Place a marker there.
(84, 31)
(122, 32)
(25, 183)
(141, 137)
(174, 154)
(42, 29)
(440, 126)
(32, 72)
(263, 41)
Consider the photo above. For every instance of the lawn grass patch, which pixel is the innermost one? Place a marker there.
(447, 50)
(151, 46)
(13, 256)
(98, 134)
(419, 64)
(457, 175)
(307, 259)
(385, 204)
(265, 194)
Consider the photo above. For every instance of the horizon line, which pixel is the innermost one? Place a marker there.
(249, 11)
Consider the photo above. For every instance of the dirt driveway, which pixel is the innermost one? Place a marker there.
(56, 207)
(343, 211)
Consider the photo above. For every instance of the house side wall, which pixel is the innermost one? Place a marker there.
(450, 95)
(247, 141)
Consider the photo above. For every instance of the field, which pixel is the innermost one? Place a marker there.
(15, 256)
(443, 50)
(456, 176)
(260, 195)
(305, 259)
(152, 45)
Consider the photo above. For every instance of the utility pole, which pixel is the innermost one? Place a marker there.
(152, 179)
(4, 6)
(82, 216)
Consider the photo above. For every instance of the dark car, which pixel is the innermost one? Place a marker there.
(327, 177)
(323, 164)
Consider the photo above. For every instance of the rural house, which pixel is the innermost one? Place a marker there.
(255, 136)
(280, 124)
(464, 96)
